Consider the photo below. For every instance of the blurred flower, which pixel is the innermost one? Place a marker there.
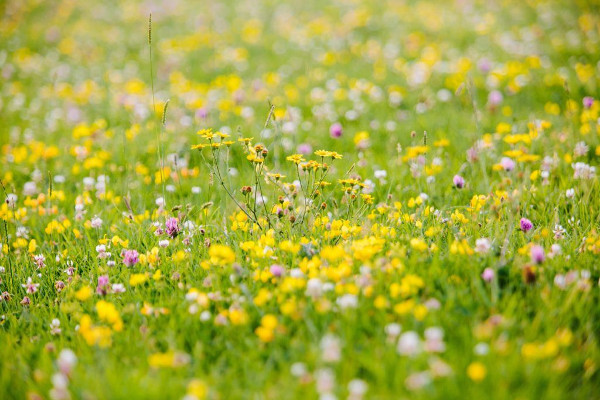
(537, 254)
(487, 274)
(459, 181)
(526, 225)
(335, 130)
(130, 258)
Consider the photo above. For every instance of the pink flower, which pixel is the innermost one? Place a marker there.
(40, 260)
(473, 153)
(130, 258)
(336, 130)
(31, 287)
(495, 98)
(526, 225)
(537, 254)
(305, 148)
(487, 274)
(484, 65)
(201, 113)
(588, 101)
(507, 164)
(102, 284)
(459, 181)
(277, 270)
(172, 227)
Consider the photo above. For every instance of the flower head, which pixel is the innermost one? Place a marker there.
(526, 225)
(336, 130)
(130, 258)
(459, 181)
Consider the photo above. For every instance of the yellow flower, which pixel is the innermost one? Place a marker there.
(84, 293)
(137, 279)
(94, 335)
(476, 371)
(295, 158)
(169, 359)
(107, 312)
(238, 316)
(364, 249)
(197, 389)
(418, 244)
(221, 254)
(269, 321)
(264, 334)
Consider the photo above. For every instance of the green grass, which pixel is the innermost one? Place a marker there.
(81, 104)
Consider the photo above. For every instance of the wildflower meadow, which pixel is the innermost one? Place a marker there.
(262, 199)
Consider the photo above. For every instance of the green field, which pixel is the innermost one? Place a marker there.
(341, 199)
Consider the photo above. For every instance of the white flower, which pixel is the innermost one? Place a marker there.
(330, 348)
(314, 287)
(393, 329)
(581, 149)
(11, 199)
(96, 222)
(481, 349)
(66, 360)
(325, 380)
(409, 344)
(88, 183)
(555, 250)
(55, 326)
(205, 316)
(347, 301)
(118, 288)
(381, 174)
(418, 380)
(60, 381)
(298, 369)
(583, 171)
(482, 246)
(369, 186)
(357, 388)
(434, 340)
(29, 188)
